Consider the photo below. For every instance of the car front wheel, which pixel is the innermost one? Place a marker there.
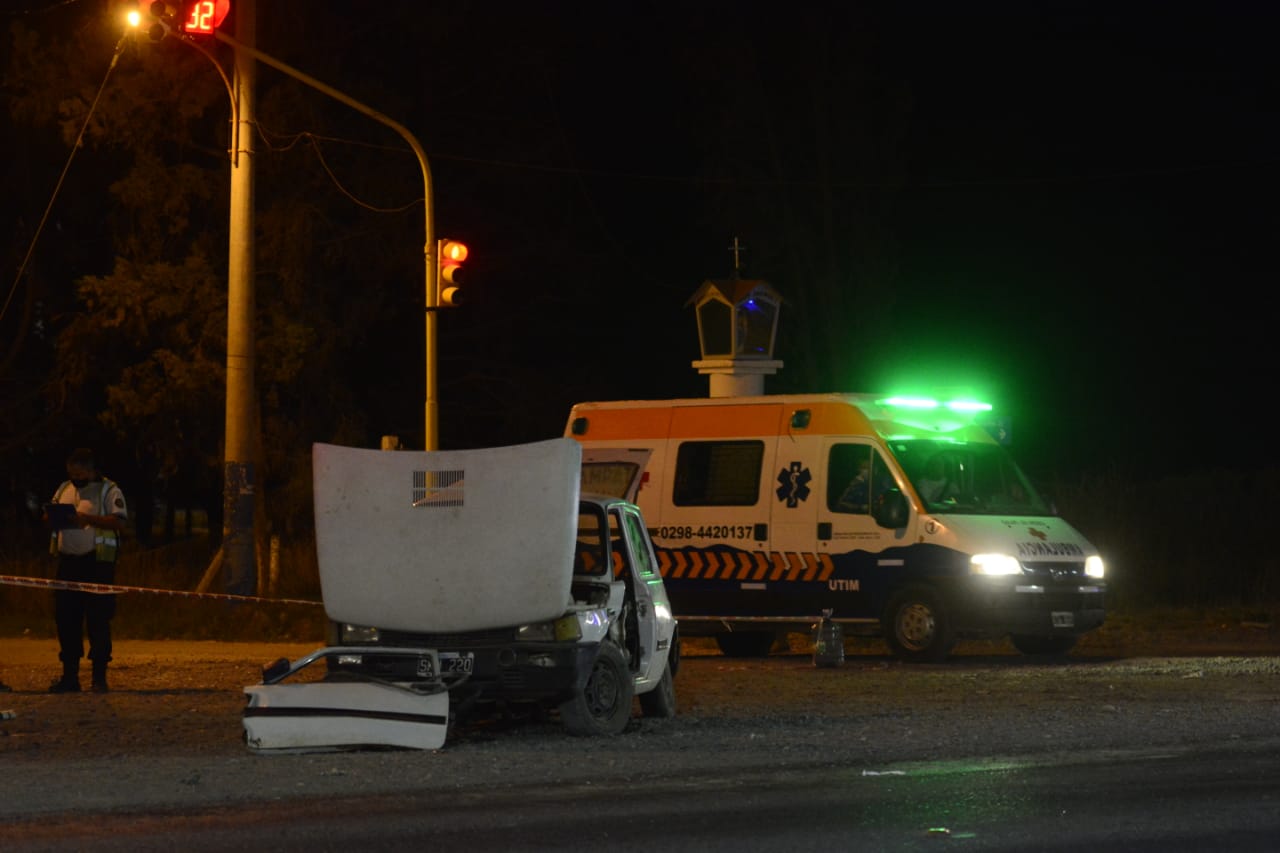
(603, 705)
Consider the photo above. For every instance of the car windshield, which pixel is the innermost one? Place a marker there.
(980, 479)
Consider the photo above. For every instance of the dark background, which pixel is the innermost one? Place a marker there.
(1065, 208)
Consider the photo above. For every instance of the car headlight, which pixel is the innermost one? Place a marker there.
(539, 632)
(994, 564)
(565, 628)
(357, 634)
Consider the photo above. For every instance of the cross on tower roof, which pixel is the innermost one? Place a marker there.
(737, 249)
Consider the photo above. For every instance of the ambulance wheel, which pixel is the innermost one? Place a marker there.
(603, 705)
(745, 644)
(1043, 646)
(661, 700)
(917, 627)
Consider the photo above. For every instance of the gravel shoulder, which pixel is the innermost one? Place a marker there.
(169, 735)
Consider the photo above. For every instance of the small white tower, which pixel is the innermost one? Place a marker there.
(737, 329)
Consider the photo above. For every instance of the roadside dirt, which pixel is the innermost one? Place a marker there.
(185, 698)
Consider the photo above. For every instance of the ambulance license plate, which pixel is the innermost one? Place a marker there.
(1063, 619)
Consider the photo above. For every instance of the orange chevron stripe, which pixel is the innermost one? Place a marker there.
(762, 564)
(696, 559)
(796, 563)
(746, 565)
(779, 565)
(711, 559)
(728, 564)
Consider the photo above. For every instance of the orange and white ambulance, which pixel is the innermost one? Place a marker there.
(903, 517)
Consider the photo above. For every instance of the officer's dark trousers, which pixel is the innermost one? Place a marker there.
(76, 612)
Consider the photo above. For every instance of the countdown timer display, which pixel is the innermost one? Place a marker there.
(202, 17)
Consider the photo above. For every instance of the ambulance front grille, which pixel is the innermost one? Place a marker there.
(1058, 571)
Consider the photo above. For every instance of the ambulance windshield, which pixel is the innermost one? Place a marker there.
(980, 479)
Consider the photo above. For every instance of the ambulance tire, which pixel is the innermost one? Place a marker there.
(917, 627)
(1043, 646)
(603, 705)
(661, 700)
(746, 644)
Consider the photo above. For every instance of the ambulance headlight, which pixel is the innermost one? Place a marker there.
(357, 634)
(1094, 568)
(994, 564)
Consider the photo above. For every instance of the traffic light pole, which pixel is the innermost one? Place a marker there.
(431, 439)
(239, 496)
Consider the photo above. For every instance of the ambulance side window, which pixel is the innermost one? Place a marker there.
(856, 477)
(718, 473)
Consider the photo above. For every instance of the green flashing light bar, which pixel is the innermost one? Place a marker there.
(930, 403)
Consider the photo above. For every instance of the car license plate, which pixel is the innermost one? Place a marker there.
(1063, 619)
(457, 663)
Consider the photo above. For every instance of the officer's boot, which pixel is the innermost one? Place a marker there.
(100, 676)
(70, 680)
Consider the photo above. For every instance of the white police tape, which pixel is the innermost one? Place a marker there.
(112, 589)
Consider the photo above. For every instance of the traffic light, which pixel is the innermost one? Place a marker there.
(449, 258)
(164, 15)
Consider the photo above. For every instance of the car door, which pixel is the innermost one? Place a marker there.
(653, 624)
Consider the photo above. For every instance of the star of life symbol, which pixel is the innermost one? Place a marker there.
(793, 484)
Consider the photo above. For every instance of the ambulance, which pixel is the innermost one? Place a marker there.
(899, 517)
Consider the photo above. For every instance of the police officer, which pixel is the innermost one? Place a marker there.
(86, 551)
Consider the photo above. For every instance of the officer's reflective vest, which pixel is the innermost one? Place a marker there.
(105, 542)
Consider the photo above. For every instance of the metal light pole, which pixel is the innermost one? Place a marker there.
(240, 450)
(235, 558)
(239, 483)
(429, 245)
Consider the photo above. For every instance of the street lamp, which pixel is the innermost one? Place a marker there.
(236, 556)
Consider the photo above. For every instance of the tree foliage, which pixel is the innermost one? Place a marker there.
(140, 346)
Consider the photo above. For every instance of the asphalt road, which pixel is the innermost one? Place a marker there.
(1192, 799)
(989, 751)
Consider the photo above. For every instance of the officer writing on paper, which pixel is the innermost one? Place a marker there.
(87, 517)
(855, 496)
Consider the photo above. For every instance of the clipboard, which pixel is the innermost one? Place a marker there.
(61, 516)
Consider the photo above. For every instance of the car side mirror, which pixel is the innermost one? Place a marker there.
(891, 510)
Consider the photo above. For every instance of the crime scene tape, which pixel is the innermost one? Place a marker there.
(111, 589)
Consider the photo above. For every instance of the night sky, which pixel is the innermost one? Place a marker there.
(1066, 207)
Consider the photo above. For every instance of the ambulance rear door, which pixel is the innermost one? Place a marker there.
(718, 477)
